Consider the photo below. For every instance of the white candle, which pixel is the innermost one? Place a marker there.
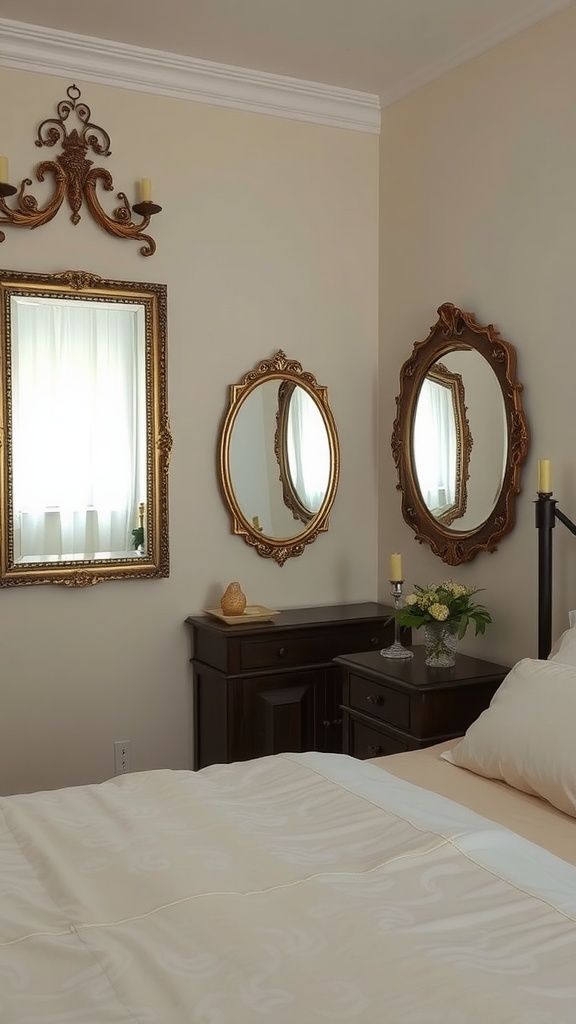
(4, 168)
(145, 190)
(396, 568)
(544, 476)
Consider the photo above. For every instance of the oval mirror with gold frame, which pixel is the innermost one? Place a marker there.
(459, 449)
(279, 458)
(84, 430)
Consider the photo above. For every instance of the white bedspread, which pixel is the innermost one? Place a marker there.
(297, 889)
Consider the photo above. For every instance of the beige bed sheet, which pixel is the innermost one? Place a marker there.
(527, 816)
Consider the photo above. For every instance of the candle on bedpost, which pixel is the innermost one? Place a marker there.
(396, 568)
(544, 477)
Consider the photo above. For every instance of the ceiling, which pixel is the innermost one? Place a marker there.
(384, 47)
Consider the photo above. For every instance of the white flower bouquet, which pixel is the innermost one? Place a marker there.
(448, 603)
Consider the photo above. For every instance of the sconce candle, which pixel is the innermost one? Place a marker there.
(396, 568)
(4, 169)
(544, 477)
(145, 190)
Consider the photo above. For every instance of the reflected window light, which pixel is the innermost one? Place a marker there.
(435, 446)
(308, 450)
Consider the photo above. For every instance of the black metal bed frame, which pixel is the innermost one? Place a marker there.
(547, 513)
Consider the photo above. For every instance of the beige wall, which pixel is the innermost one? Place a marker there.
(268, 239)
(478, 207)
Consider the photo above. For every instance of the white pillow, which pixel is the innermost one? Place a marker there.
(564, 650)
(527, 736)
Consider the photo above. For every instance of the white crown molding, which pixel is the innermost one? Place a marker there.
(480, 44)
(45, 51)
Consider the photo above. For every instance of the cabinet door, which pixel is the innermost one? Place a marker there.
(328, 712)
(278, 714)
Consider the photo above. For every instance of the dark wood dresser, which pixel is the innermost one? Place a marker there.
(389, 706)
(264, 688)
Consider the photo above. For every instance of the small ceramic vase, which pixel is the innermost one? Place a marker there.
(233, 601)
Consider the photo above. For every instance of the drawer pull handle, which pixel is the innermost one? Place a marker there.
(282, 652)
(374, 751)
(337, 721)
(376, 699)
(375, 641)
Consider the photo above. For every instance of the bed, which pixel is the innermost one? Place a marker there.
(431, 887)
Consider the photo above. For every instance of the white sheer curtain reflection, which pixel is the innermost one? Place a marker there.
(434, 442)
(78, 392)
(308, 450)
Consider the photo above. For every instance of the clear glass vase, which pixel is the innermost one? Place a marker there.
(441, 642)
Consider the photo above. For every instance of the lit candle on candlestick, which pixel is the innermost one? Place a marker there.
(4, 169)
(396, 568)
(544, 476)
(145, 190)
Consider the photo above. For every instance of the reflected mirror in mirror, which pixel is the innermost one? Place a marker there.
(459, 451)
(279, 458)
(86, 433)
(460, 437)
(302, 447)
(441, 444)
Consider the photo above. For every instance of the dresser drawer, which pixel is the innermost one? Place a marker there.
(379, 701)
(292, 650)
(364, 740)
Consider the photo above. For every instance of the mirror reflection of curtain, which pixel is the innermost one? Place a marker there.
(308, 450)
(434, 441)
(79, 427)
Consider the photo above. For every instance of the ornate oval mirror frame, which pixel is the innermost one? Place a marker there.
(454, 331)
(85, 438)
(260, 454)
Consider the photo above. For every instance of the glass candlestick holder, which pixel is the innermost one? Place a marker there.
(396, 649)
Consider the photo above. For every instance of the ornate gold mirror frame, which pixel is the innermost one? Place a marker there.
(84, 432)
(259, 490)
(457, 331)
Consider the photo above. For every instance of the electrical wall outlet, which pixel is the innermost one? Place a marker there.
(121, 757)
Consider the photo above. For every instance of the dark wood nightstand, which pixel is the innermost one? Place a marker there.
(389, 706)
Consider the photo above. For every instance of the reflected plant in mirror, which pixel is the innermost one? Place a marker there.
(279, 458)
(86, 438)
(460, 437)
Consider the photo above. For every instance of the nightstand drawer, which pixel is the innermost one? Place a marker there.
(372, 698)
(291, 651)
(364, 740)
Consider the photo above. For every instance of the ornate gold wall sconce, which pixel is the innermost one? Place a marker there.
(75, 178)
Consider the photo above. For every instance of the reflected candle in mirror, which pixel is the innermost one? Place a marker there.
(544, 476)
(396, 568)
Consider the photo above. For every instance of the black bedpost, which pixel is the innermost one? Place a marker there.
(545, 523)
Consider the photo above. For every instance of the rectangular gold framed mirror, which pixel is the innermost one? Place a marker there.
(84, 431)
